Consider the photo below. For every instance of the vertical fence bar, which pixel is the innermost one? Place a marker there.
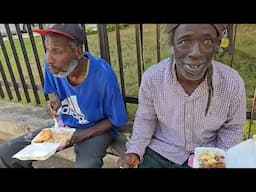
(231, 38)
(42, 37)
(120, 60)
(16, 58)
(141, 46)
(103, 40)
(25, 55)
(5, 83)
(43, 40)
(234, 44)
(34, 48)
(1, 91)
(15, 85)
(86, 48)
(252, 115)
(138, 51)
(158, 42)
(9, 93)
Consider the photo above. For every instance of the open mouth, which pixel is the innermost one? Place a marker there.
(193, 68)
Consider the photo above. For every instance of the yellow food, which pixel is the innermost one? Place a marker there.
(45, 135)
(211, 159)
(49, 136)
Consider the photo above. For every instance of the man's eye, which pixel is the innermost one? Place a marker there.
(208, 42)
(183, 42)
(57, 51)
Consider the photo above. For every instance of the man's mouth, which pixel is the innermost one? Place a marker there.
(193, 68)
(54, 70)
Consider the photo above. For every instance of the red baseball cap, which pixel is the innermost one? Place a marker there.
(71, 31)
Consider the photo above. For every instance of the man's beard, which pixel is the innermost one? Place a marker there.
(67, 70)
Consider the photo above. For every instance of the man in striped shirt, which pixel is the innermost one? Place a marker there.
(186, 101)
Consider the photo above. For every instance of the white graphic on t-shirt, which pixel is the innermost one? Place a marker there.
(71, 107)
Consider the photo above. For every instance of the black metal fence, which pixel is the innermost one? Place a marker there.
(21, 59)
(22, 79)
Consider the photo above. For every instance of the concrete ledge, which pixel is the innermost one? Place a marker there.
(17, 119)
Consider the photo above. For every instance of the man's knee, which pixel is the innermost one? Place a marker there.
(3, 149)
(89, 162)
(4, 155)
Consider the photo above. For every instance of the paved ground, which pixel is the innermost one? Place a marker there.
(54, 162)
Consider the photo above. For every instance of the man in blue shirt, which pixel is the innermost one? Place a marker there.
(86, 92)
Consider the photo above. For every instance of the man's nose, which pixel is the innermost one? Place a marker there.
(49, 58)
(195, 50)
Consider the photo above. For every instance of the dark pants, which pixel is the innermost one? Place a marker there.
(89, 153)
(152, 159)
(9, 148)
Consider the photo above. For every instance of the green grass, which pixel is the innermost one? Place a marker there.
(246, 129)
(244, 59)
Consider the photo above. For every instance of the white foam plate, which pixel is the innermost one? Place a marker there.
(37, 151)
(42, 151)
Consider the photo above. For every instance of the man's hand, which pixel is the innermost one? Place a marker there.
(52, 107)
(129, 160)
(69, 143)
(66, 145)
(77, 138)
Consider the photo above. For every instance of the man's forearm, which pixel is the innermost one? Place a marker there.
(98, 129)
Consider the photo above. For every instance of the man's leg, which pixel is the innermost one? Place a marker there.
(154, 160)
(90, 152)
(9, 148)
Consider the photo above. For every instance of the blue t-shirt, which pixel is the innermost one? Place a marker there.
(96, 98)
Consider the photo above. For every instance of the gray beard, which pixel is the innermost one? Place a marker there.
(67, 70)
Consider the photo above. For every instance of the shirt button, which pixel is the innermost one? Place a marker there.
(188, 115)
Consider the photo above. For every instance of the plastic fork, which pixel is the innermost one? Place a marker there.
(56, 125)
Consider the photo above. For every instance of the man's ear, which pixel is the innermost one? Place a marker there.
(217, 48)
(79, 52)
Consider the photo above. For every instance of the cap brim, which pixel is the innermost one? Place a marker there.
(46, 31)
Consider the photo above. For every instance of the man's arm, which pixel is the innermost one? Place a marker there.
(98, 129)
(231, 131)
(53, 105)
(145, 120)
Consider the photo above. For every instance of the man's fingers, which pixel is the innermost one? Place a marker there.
(51, 110)
(191, 161)
(122, 163)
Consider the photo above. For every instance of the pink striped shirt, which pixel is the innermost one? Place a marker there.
(173, 123)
